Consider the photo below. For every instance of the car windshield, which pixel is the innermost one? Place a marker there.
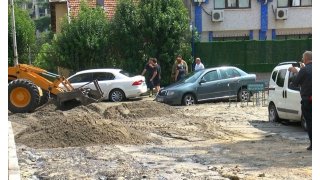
(192, 77)
(126, 73)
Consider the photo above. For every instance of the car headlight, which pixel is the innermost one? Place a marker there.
(170, 93)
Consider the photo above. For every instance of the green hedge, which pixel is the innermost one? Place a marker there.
(251, 56)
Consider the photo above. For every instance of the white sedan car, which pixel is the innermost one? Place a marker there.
(116, 84)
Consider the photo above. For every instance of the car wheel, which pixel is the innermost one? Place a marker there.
(273, 114)
(117, 95)
(188, 100)
(243, 95)
(303, 123)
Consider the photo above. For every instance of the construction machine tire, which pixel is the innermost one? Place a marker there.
(44, 98)
(23, 96)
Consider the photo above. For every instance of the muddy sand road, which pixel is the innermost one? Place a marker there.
(149, 140)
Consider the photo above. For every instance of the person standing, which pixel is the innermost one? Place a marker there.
(174, 67)
(304, 80)
(181, 70)
(156, 78)
(149, 70)
(198, 65)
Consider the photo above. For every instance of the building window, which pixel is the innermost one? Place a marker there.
(232, 4)
(293, 36)
(232, 38)
(100, 3)
(294, 3)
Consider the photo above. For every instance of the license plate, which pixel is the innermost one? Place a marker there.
(159, 99)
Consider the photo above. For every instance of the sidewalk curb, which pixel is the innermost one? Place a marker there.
(13, 166)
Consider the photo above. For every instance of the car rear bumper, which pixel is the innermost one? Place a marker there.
(132, 93)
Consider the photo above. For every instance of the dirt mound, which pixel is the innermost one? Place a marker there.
(135, 110)
(86, 125)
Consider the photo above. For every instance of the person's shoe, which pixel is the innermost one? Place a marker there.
(309, 148)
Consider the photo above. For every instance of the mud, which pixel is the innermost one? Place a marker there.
(148, 140)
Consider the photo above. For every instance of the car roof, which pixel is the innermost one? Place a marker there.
(111, 70)
(284, 65)
(220, 67)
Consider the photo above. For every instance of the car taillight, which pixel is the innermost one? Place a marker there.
(137, 83)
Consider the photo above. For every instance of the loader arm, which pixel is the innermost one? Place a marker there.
(36, 75)
(24, 95)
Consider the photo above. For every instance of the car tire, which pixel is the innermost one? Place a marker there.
(117, 95)
(188, 100)
(243, 95)
(303, 123)
(273, 114)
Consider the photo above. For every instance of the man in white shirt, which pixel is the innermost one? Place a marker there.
(198, 65)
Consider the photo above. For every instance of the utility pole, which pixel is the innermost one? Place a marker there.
(15, 52)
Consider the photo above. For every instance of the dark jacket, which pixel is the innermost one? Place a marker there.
(304, 80)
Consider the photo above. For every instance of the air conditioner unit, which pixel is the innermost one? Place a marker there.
(217, 15)
(282, 13)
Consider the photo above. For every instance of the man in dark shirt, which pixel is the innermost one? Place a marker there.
(149, 68)
(304, 80)
(156, 78)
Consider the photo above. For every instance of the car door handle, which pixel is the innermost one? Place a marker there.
(283, 94)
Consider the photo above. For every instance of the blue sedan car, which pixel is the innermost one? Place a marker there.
(208, 84)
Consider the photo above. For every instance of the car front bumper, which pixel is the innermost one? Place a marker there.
(171, 100)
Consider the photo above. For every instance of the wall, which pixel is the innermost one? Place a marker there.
(61, 10)
(239, 22)
(298, 17)
(234, 19)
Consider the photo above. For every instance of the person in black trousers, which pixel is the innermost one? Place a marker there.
(304, 80)
(149, 68)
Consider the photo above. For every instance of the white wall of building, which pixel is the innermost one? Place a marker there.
(234, 19)
(298, 17)
(240, 21)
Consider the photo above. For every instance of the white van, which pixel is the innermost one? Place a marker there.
(284, 101)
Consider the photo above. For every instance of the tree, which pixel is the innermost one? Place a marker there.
(153, 29)
(125, 37)
(166, 31)
(46, 58)
(25, 33)
(83, 43)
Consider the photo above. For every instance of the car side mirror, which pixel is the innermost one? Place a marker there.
(202, 81)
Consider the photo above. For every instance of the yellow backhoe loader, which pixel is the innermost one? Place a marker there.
(30, 87)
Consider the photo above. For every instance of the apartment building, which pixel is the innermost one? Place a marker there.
(222, 20)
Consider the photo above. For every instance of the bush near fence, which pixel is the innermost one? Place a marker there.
(251, 56)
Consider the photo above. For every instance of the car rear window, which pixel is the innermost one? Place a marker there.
(127, 73)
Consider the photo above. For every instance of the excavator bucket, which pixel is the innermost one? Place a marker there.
(84, 96)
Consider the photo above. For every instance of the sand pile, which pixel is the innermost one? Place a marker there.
(94, 124)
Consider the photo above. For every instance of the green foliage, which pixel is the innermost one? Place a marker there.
(43, 23)
(126, 38)
(25, 34)
(46, 58)
(165, 27)
(83, 43)
(151, 29)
